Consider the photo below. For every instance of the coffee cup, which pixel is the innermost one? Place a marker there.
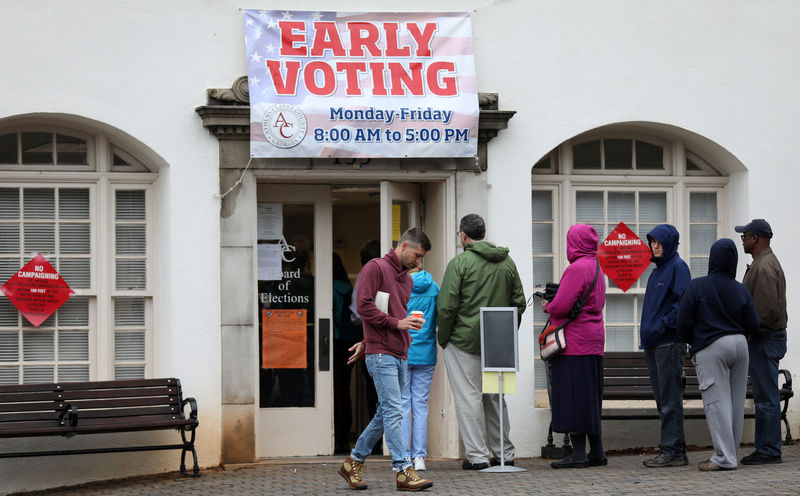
(419, 315)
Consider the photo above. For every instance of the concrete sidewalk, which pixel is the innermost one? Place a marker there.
(624, 475)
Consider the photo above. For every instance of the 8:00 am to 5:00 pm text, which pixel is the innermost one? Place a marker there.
(373, 135)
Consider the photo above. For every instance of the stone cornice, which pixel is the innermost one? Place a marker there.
(228, 122)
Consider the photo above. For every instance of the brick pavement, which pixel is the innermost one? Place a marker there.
(624, 475)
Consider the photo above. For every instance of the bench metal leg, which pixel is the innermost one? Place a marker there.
(552, 451)
(788, 441)
(189, 446)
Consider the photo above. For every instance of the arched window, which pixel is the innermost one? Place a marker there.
(85, 203)
(612, 175)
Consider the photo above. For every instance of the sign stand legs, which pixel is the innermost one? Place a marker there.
(502, 467)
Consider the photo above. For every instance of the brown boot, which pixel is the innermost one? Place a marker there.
(408, 480)
(351, 471)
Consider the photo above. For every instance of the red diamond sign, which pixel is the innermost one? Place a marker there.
(37, 290)
(623, 256)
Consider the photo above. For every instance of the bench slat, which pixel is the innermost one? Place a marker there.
(18, 417)
(626, 381)
(70, 395)
(124, 402)
(128, 425)
(28, 396)
(26, 388)
(31, 426)
(28, 407)
(84, 414)
(627, 372)
(61, 386)
(130, 412)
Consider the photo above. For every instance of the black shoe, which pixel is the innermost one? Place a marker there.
(756, 458)
(474, 466)
(598, 462)
(569, 462)
(494, 462)
(666, 460)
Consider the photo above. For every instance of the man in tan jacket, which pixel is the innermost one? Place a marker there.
(767, 285)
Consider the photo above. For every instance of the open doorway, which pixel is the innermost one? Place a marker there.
(336, 222)
(356, 240)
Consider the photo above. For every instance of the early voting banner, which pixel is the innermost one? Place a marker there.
(332, 84)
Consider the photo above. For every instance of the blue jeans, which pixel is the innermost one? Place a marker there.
(765, 353)
(415, 404)
(389, 375)
(665, 363)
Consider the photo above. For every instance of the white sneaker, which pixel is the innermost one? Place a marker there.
(419, 464)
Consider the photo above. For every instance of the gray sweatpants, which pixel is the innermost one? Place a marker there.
(722, 374)
(478, 414)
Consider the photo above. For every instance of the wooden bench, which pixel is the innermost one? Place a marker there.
(626, 377)
(70, 408)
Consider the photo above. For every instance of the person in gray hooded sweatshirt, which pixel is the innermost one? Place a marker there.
(715, 314)
(663, 350)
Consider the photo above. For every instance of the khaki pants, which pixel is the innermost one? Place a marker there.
(478, 414)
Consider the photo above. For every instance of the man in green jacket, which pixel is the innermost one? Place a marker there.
(482, 276)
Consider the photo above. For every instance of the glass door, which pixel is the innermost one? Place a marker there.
(294, 314)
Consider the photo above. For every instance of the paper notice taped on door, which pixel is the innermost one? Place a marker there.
(284, 338)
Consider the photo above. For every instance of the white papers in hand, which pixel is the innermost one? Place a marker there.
(382, 301)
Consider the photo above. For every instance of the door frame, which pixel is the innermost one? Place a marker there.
(440, 200)
(392, 191)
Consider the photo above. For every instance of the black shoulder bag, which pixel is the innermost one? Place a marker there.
(552, 339)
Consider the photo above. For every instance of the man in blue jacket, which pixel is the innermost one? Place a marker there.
(663, 350)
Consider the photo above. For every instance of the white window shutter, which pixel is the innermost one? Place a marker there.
(130, 249)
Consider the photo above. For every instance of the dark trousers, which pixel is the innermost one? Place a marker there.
(765, 353)
(665, 363)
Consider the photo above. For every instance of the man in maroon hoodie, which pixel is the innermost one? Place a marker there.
(386, 340)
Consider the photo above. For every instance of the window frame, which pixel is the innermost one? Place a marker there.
(721, 220)
(148, 292)
(91, 152)
(102, 182)
(675, 181)
(706, 169)
(567, 155)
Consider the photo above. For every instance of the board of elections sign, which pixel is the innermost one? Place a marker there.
(332, 84)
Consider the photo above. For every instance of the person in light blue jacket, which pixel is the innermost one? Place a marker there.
(421, 364)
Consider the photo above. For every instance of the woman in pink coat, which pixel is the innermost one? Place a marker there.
(577, 373)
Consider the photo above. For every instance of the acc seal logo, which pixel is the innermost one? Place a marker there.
(284, 125)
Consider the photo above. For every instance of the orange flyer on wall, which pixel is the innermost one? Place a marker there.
(283, 343)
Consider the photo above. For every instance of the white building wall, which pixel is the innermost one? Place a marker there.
(725, 70)
(142, 68)
(718, 69)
